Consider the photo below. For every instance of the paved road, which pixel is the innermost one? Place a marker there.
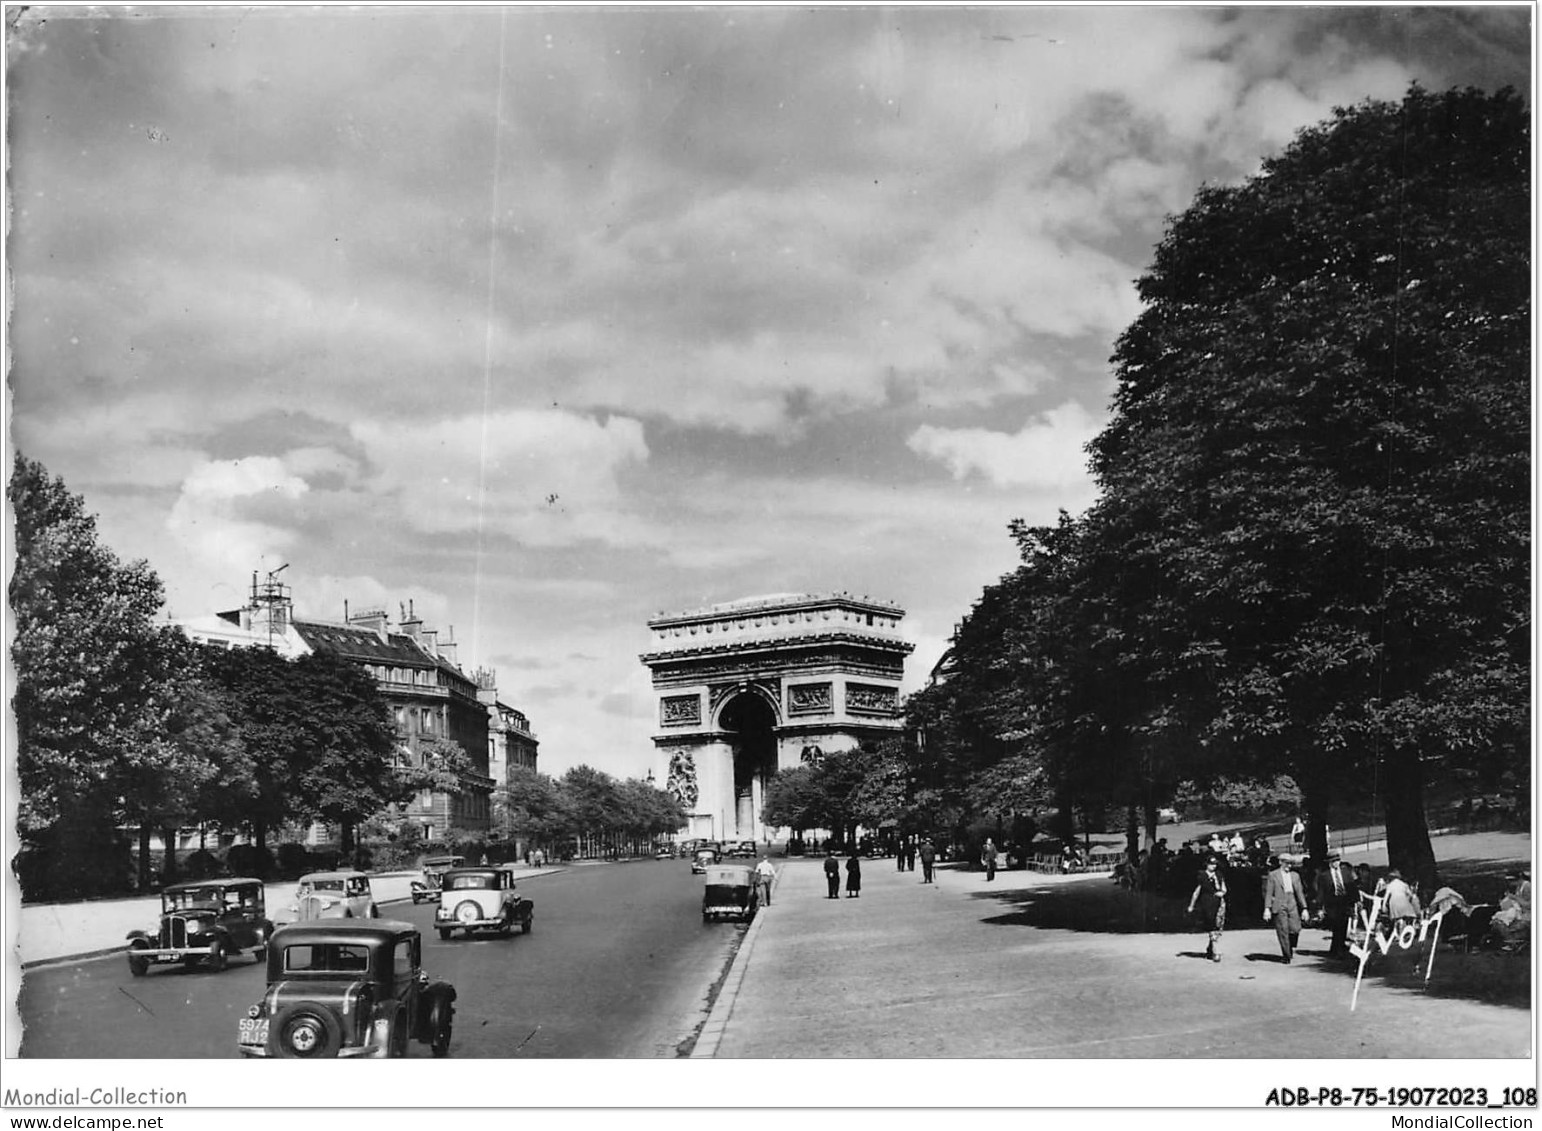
(619, 965)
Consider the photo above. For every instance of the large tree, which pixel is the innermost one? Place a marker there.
(96, 679)
(1318, 458)
(319, 735)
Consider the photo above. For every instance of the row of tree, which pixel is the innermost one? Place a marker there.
(1310, 552)
(123, 723)
(584, 810)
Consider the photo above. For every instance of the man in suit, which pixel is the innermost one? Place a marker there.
(1283, 902)
(1337, 892)
(832, 874)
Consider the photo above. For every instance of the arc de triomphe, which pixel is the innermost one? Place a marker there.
(753, 686)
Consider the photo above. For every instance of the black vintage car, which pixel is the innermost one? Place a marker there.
(204, 923)
(347, 988)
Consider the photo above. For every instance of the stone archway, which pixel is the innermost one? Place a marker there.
(753, 686)
(751, 722)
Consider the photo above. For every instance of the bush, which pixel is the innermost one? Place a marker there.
(200, 865)
(78, 863)
(249, 860)
(293, 861)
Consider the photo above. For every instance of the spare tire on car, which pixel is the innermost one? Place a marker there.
(305, 1032)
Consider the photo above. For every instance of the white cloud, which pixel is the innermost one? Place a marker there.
(206, 521)
(544, 477)
(1045, 454)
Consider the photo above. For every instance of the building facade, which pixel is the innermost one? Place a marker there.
(747, 688)
(419, 677)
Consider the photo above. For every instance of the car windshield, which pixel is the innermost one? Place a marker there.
(323, 885)
(473, 882)
(326, 957)
(189, 899)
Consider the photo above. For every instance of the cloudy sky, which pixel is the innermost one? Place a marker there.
(551, 320)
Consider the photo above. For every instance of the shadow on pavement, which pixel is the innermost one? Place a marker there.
(1095, 904)
(1102, 907)
(1498, 979)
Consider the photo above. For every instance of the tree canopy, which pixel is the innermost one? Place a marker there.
(1310, 555)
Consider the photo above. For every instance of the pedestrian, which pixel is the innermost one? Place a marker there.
(988, 858)
(1402, 904)
(1337, 893)
(764, 874)
(832, 874)
(910, 854)
(899, 857)
(1210, 899)
(1283, 903)
(928, 858)
(854, 876)
(1297, 834)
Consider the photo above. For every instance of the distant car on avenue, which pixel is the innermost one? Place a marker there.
(702, 859)
(426, 890)
(203, 923)
(482, 899)
(743, 848)
(347, 988)
(333, 895)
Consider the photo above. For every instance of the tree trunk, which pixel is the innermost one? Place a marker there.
(260, 835)
(169, 869)
(1408, 836)
(345, 838)
(1132, 831)
(145, 830)
(1150, 815)
(1314, 799)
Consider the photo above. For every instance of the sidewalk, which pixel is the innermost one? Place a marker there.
(1049, 966)
(56, 932)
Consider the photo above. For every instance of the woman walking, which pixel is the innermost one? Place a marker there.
(854, 876)
(1210, 898)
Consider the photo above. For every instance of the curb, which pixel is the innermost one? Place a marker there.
(711, 1035)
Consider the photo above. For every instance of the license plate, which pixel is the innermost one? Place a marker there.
(166, 956)
(254, 1031)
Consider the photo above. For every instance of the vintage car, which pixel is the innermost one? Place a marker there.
(203, 923)
(702, 859)
(426, 890)
(482, 899)
(730, 893)
(347, 988)
(742, 849)
(333, 895)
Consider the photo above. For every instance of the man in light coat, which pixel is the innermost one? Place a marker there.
(1284, 902)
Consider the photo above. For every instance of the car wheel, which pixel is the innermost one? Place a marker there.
(528, 925)
(374, 912)
(441, 1020)
(139, 966)
(467, 912)
(217, 958)
(305, 1032)
(444, 934)
(260, 945)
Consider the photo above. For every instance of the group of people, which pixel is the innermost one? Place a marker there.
(1331, 894)
(910, 851)
(1286, 902)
